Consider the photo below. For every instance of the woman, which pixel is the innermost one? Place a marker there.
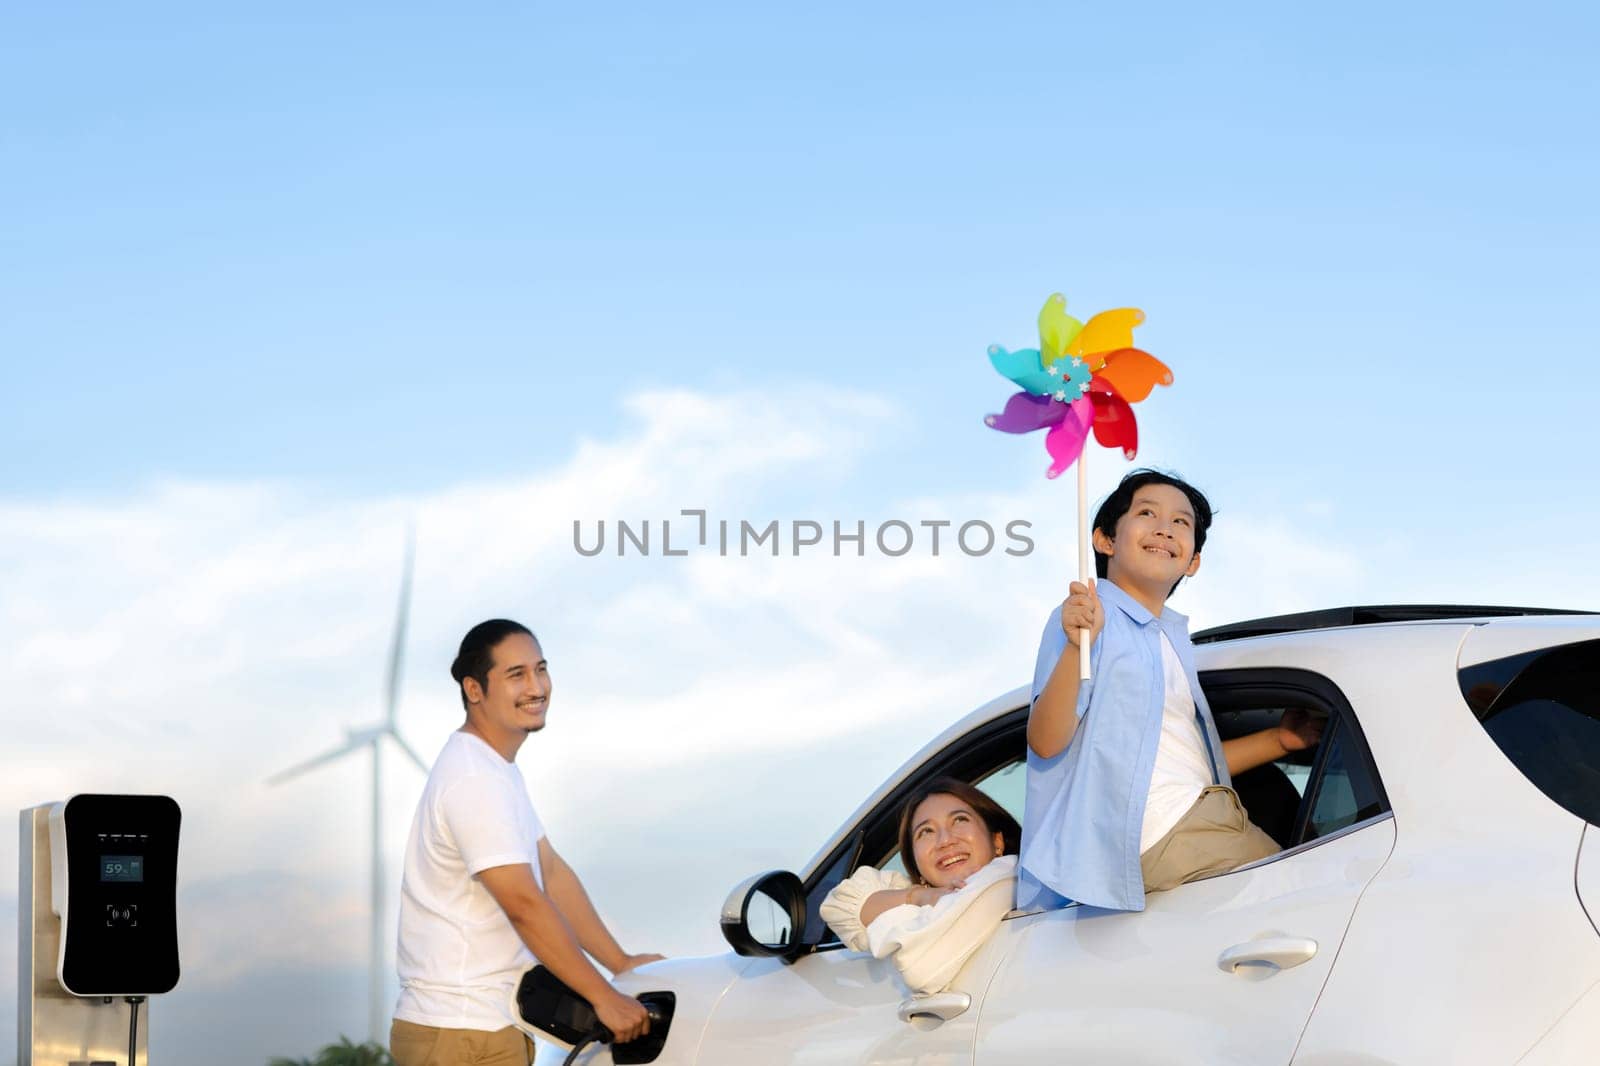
(961, 847)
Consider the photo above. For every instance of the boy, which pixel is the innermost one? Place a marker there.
(1129, 786)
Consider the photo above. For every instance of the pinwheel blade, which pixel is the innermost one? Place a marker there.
(1065, 440)
(1114, 424)
(1056, 329)
(1026, 412)
(1132, 373)
(1106, 332)
(1023, 368)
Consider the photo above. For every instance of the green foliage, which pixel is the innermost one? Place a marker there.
(344, 1053)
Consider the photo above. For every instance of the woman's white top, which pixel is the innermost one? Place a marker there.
(1182, 769)
(929, 945)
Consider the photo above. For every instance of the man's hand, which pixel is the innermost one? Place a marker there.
(630, 962)
(623, 1015)
(1298, 729)
(1081, 610)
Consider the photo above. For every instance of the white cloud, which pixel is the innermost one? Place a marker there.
(1255, 567)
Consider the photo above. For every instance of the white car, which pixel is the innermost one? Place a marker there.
(1435, 901)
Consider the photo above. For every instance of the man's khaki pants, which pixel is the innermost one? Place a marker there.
(1213, 837)
(423, 1045)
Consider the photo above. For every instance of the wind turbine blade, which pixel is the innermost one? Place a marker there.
(391, 692)
(353, 744)
(408, 750)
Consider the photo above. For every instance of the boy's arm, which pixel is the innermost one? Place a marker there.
(567, 893)
(1297, 731)
(1053, 719)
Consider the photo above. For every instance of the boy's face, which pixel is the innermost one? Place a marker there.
(1154, 542)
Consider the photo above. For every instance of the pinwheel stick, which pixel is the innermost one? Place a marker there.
(1085, 574)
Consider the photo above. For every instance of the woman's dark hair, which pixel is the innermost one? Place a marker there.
(995, 818)
(476, 657)
(1121, 500)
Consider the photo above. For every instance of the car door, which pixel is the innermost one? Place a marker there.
(834, 1006)
(838, 1006)
(1225, 969)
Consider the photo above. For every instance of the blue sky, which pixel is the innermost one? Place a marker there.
(281, 245)
(276, 283)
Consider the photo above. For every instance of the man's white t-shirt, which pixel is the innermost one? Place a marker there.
(1182, 769)
(459, 955)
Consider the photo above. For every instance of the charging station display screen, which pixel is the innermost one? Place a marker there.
(122, 868)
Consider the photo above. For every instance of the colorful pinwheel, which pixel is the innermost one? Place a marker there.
(1083, 376)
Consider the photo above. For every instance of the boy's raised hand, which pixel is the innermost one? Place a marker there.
(1298, 729)
(1081, 610)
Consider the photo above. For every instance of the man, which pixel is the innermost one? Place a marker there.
(484, 894)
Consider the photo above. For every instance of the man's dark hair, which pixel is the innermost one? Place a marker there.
(476, 657)
(996, 819)
(1121, 500)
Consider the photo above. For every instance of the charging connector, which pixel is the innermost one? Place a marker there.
(602, 1035)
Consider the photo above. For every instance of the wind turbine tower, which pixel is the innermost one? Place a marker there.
(371, 737)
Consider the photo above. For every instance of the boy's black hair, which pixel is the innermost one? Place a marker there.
(1114, 506)
(476, 657)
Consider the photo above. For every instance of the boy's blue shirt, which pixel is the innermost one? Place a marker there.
(1085, 806)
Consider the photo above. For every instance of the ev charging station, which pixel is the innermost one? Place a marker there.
(97, 927)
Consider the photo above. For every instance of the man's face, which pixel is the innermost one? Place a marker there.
(1154, 542)
(518, 694)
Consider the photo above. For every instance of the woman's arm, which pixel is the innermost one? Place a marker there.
(842, 907)
(916, 896)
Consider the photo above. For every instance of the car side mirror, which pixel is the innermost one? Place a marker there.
(766, 915)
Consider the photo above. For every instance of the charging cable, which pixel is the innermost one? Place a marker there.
(577, 1049)
(133, 1027)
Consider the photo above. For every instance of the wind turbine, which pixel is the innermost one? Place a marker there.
(371, 737)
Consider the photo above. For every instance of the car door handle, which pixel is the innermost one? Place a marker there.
(1281, 951)
(938, 1007)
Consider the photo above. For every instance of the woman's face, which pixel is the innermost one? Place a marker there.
(949, 840)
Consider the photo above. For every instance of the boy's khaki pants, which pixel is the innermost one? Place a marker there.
(1213, 837)
(423, 1045)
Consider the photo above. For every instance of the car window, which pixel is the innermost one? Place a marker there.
(991, 755)
(1307, 794)
(1542, 708)
(1008, 786)
(817, 931)
(1345, 788)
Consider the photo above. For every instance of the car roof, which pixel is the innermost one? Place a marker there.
(1375, 614)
